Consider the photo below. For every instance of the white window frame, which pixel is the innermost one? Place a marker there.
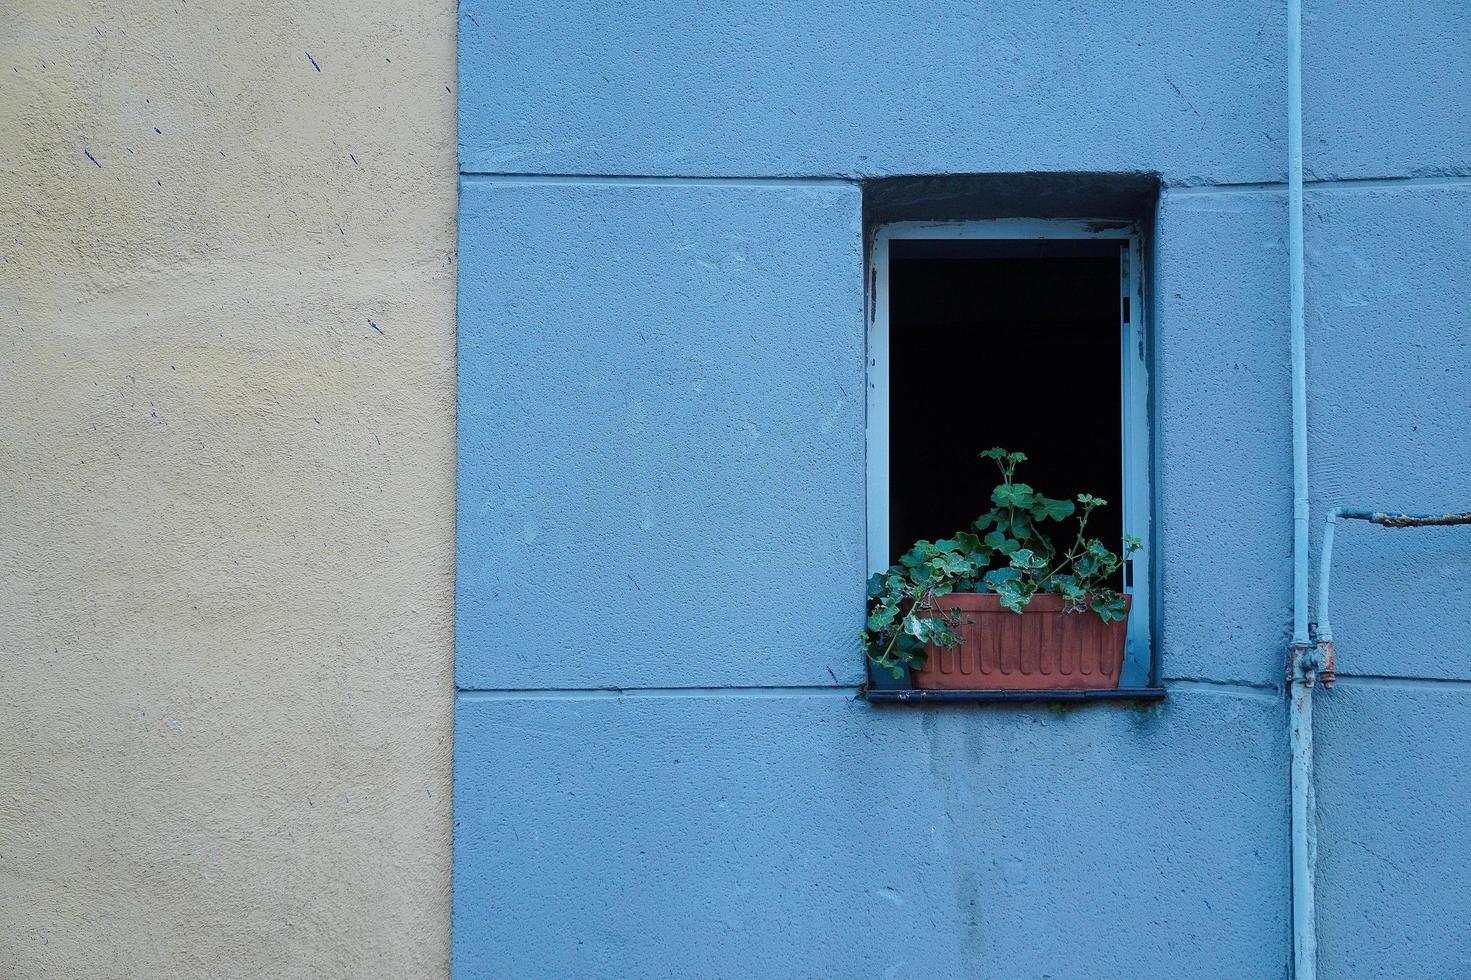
(1134, 494)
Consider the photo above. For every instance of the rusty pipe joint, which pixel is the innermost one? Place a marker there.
(1323, 656)
(1310, 662)
(1302, 664)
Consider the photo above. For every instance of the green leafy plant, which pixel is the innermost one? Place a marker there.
(1007, 552)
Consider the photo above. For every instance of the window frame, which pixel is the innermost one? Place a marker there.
(1135, 492)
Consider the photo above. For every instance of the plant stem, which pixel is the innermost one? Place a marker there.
(1068, 558)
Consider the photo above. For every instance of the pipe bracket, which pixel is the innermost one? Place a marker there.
(1302, 664)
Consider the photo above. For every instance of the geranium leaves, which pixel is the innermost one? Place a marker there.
(1006, 460)
(1003, 552)
(1108, 604)
(1047, 509)
(1016, 593)
(998, 541)
(1072, 593)
(997, 577)
(1027, 560)
(1013, 495)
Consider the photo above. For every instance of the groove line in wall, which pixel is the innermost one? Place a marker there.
(650, 180)
(785, 691)
(602, 693)
(758, 181)
(1411, 683)
(1309, 186)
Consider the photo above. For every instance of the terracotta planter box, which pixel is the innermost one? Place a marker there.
(1043, 649)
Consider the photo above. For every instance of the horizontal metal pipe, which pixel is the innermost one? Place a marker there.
(1406, 520)
(1384, 518)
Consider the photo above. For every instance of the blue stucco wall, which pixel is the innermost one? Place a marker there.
(662, 398)
(661, 769)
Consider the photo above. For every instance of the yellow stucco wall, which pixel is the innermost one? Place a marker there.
(226, 498)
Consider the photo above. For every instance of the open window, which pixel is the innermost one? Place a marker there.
(1021, 333)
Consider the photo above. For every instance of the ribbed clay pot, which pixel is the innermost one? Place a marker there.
(1043, 649)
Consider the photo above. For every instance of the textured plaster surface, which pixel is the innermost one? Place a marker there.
(664, 443)
(1389, 369)
(809, 835)
(1193, 89)
(774, 827)
(1386, 88)
(1390, 366)
(226, 412)
(1223, 488)
(1392, 823)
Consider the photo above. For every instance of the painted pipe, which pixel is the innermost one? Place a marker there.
(1304, 823)
(1304, 830)
(1297, 329)
(1325, 570)
(1309, 662)
(1309, 665)
(1382, 518)
(1301, 664)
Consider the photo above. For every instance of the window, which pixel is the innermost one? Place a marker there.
(1022, 333)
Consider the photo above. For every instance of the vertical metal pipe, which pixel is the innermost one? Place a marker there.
(1324, 629)
(1325, 572)
(1300, 676)
(1304, 928)
(1299, 342)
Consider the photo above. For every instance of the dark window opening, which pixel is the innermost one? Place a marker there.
(1003, 343)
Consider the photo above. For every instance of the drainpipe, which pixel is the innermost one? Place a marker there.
(1307, 661)
(1304, 824)
(1306, 665)
(1302, 665)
